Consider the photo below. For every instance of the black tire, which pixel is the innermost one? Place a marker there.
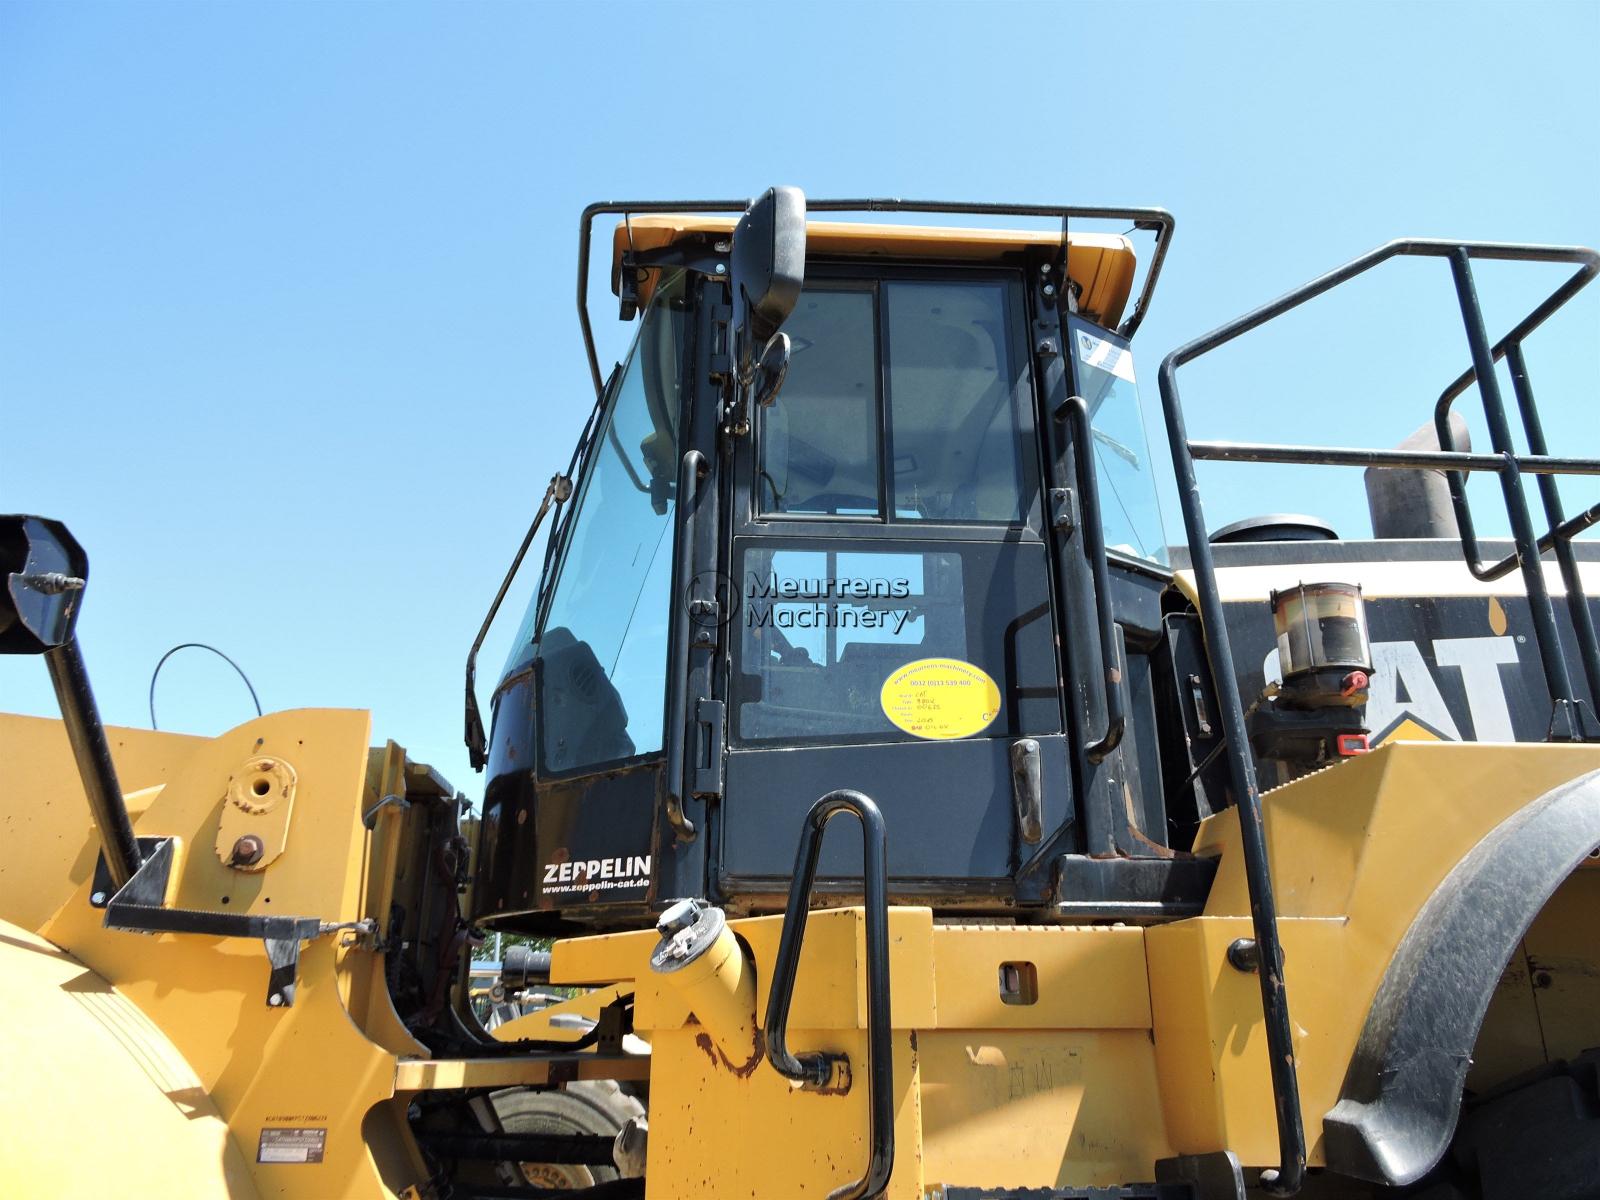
(1535, 1136)
(591, 1106)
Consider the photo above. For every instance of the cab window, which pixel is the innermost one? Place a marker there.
(901, 404)
(600, 655)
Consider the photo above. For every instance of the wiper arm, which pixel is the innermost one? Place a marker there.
(557, 492)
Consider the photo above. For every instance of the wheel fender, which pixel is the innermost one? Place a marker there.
(1402, 1093)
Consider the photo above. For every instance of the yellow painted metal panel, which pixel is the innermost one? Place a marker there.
(1210, 1039)
(1564, 960)
(1102, 264)
(1040, 1108)
(264, 1068)
(717, 1134)
(1090, 977)
(539, 1025)
(94, 1098)
(43, 808)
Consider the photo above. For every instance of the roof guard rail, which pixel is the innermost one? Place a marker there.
(1567, 722)
(1154, 220)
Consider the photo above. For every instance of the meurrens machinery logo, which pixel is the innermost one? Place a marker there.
(596, 874)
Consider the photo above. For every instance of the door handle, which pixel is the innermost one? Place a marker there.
(1027, 789)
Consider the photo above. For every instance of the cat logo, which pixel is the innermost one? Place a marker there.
(1407, 705)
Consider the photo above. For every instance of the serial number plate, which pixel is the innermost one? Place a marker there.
(291, 1145)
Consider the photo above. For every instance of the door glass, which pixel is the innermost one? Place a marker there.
(602, 653)
(835, 639)
(819, 441)
(957, 452)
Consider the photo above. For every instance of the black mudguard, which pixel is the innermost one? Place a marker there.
(1397, 1110)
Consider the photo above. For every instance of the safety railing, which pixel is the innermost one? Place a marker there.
(1567, 720)
(1153, 220)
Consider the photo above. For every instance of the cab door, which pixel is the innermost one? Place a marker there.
(894, 627)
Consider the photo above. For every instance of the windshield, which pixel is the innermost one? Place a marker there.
(601, 649)
(1129, 509)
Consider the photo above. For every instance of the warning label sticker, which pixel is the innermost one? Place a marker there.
(940, 698)
(303, 1145)
(1103, 356)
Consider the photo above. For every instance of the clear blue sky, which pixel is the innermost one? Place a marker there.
(286, 321)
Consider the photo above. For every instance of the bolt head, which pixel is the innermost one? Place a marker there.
(722, 268)
(98, 898)
(247, 851)
(1049, 289)
(276, 999)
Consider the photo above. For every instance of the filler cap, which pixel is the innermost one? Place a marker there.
(688, 929)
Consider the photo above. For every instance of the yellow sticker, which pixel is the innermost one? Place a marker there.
(940, 698)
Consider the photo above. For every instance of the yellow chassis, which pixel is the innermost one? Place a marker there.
(153, 1060)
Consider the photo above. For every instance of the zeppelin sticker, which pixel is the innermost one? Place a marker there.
(304, 1145)
(940, 699)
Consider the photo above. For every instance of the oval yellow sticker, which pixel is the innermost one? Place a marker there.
(940, 698)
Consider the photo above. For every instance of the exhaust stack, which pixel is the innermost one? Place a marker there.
(1415, 504)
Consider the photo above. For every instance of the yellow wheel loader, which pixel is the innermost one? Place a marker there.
(1265, 864)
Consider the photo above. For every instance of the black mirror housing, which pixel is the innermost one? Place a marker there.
(42, 573)
(768, 269)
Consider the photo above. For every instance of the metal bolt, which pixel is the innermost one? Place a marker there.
(247, 851)
(1045, 349)
(722, 268)
(97, 899)
(1049, 289)
(678, 917)
(1044, 268)
(276, 999)
(1244, 955)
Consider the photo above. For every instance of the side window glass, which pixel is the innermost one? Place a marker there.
(1130, 509)
(819, 441)
(602, 653)
(957, 451)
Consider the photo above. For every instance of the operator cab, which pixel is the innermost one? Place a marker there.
(831, 529)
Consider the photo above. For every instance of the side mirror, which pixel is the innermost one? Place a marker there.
(42, 569)
(768, 269)
(773, 369)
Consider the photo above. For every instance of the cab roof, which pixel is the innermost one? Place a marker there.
(1102, 265)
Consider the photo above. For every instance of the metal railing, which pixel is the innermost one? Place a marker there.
(1566, 724)
(1153, 220)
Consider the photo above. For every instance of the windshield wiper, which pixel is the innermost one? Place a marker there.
(559, 489)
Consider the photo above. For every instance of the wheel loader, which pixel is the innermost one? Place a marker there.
(1264, 863)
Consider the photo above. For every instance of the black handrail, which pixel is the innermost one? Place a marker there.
(1154, 220)
(1075, 411)
(691, 467)
(1562, 530)
(1289, 1175)
(817, 1069)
